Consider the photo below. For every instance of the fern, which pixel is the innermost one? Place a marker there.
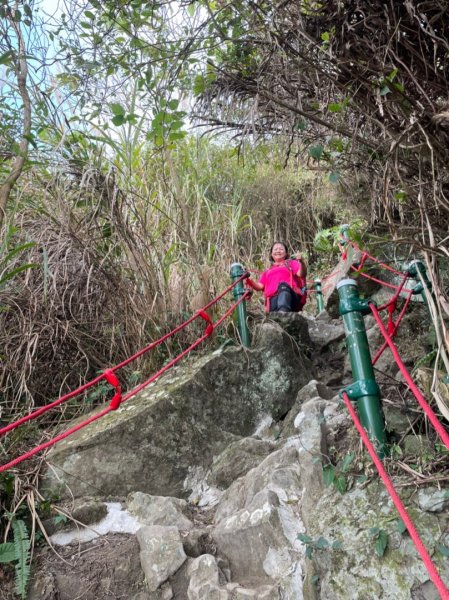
(22, 551)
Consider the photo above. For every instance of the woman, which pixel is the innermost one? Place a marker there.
(284, 282)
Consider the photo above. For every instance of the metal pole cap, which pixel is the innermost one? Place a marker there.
(343, 282)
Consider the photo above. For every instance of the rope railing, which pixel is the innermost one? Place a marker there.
(425, 556)
(411, 384)
(366, 425)
(104, 375)
(110, 376)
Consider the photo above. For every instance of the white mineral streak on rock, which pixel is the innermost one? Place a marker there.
(116, 521)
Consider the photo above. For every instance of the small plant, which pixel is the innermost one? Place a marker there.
(338, 475)
(18, 552)
(381, 538)
(319, 544)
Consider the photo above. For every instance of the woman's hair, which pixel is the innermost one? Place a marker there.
(287, 254)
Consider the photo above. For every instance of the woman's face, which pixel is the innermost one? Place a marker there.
(278, 253)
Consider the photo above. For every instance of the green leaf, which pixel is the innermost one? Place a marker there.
(381, 543)
(118, 120)
(444, 550)
(334, 107)
(400, 196)
(347, 461)
(321, 543)
(337, 545)
(7, 552)
(176, 135)
(27, 10)
(334, 177)
(392, 75)
(17, 15)
(328, 474)
(309, 552)
(341, 484)
(316, 152)
(305, 539)
(59, 519)
(89, 14)
(117, 109)
(4, 277)
(400, 526)
(173, 104)
(199, 85)
(385, 90)
(6, 58)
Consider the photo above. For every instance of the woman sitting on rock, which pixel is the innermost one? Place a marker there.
(284, 283)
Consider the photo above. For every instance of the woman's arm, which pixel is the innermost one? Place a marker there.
(255, 285)
(302, 270)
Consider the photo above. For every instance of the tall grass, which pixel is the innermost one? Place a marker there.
(126, 241)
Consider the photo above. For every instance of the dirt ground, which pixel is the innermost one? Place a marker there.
(107, 568)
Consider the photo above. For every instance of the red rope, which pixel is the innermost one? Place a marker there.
(420, 398)
(89, 384)
(375, 259)
(431, 569)
(396, 326)
(397, 294)
(117, 399)
(390, 285)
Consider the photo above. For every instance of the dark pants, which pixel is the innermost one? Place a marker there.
(286, 300)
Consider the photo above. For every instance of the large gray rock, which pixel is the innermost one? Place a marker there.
(161, 553)
(323, 334)
(354, 571)
(154, 440)
(313, 389)
(205, 580)
(258, 521)
(433, 499)
(237, 459)
(158, 510)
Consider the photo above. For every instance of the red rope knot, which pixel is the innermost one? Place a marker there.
(391, 327)
(113, 380)
(210, 327)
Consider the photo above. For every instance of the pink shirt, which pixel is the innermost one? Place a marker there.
(276, 274)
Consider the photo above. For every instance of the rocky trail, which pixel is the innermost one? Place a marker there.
(238, 476)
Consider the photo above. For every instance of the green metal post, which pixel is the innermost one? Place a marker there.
(417, 270)
(364, 388)
(319, 295)
(238, 291)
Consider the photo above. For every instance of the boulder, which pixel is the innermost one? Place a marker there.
(156, 438)
(347, 566)
(158, 510)
(205, 580)
(161, 554)
(237, 459)
(433, 499)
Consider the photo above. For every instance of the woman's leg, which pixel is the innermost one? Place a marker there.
(285, 298)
